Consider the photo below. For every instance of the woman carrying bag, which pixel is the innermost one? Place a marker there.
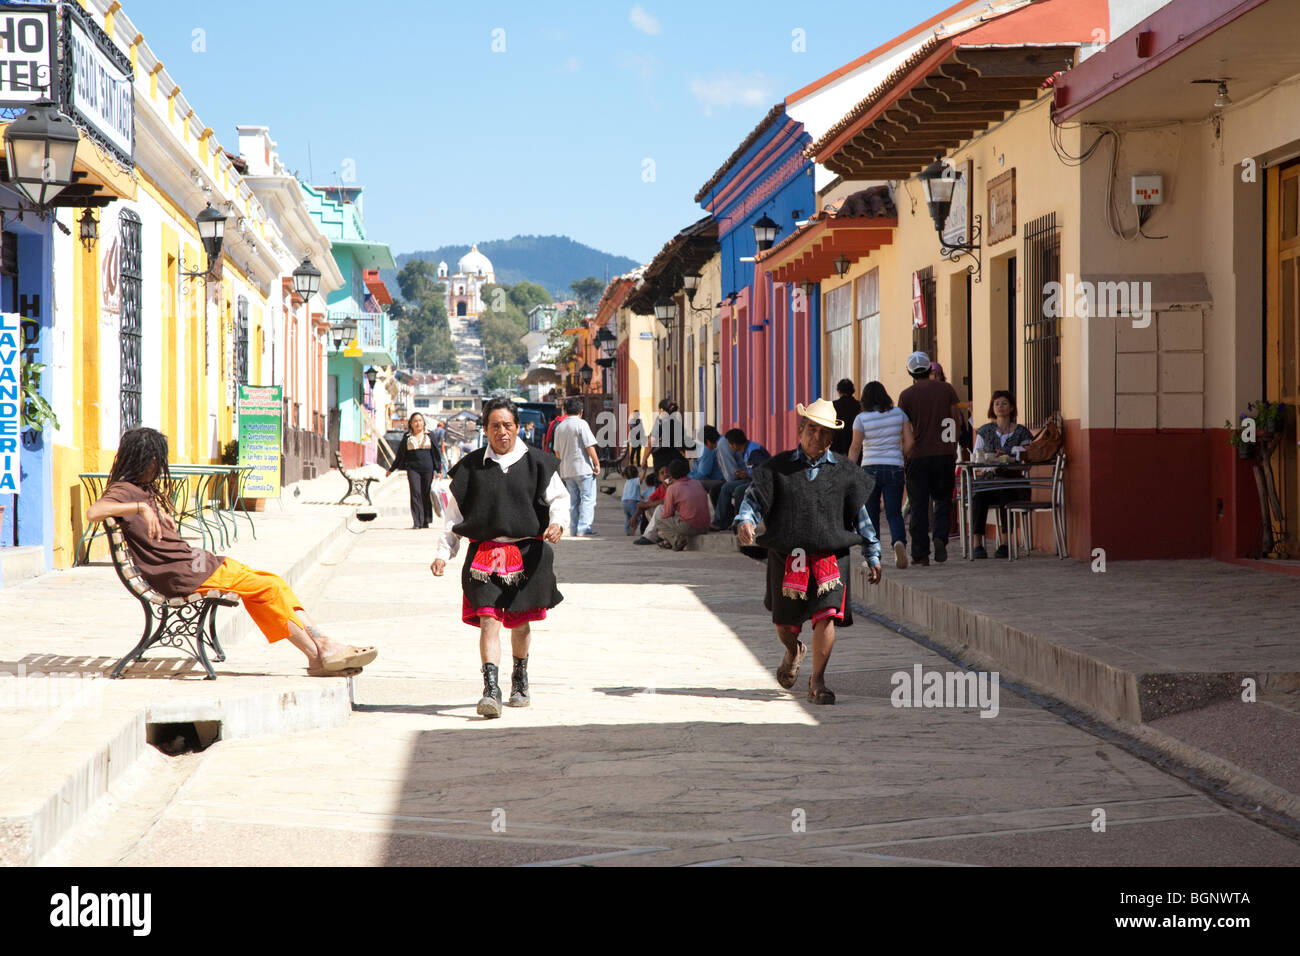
(420, 457)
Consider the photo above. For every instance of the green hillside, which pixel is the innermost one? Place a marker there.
(550, 261)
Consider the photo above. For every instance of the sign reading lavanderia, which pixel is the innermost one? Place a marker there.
(261, 415)
(11, 402)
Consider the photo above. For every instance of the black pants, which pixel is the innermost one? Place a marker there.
(999, 499)
(421, 483)
(929, 479)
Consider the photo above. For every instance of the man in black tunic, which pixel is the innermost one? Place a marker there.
(508, 501)
(813, 504)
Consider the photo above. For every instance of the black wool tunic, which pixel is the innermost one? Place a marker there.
(512, 504)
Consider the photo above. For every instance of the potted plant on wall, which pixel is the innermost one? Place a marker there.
(1245, 449)
(1268, 419)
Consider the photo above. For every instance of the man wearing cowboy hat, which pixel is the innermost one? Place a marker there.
(813, 504)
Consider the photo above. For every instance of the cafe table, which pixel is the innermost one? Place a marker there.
(977, 476)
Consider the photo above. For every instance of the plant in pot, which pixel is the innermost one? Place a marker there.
(1245, 449)
(1268, 419)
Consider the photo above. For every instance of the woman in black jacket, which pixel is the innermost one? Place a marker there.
(420, 457)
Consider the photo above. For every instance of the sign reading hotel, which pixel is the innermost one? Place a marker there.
(11, 402)
(261, 414)
(27, 43)
(99, 83)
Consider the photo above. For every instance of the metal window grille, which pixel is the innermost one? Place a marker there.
(926, 338)
(1042, 331)
(132, 282)
(241, 341)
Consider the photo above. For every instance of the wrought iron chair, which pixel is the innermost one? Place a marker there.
(188, 623)
(356, 486)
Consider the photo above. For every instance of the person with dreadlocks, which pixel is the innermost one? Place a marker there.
(135, 497)
(508, 500)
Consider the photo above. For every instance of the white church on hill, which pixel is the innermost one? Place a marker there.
(464, 287)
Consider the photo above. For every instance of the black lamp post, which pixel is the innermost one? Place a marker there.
(765, 231)
(605, 339)
(306, 279)
(336, 333)
(665, 310)
(212, 232)
(842, 263)
(690, 282)
(371, 374)
(585, 373)
(40, 147)
(88, 229)
(939, 181)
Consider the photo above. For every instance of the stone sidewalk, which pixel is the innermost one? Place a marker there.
(657, 736)
(71, 732)
(1160, 649)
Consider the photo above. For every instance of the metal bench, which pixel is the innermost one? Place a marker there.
(188, 623)
(356, 486)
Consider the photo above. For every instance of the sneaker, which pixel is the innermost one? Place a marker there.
(643, 540)
(1001, 552)
(900, 554)
(979, 553)
(940, 552)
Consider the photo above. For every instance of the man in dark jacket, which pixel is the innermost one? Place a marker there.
(814, 508)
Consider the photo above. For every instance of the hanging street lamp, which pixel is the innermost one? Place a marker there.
(88, 229)
(939, 181)
(306, 280)
(40, 147)
(765, 231)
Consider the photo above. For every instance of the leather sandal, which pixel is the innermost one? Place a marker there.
(822, 696)
(786, 678)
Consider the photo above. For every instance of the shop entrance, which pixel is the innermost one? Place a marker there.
(1282, 335)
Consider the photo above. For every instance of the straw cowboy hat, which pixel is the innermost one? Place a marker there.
(822, 412)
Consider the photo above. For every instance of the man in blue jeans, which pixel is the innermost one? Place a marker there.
(576, 447)
(748, 455)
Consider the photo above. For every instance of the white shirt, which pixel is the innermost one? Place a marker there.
(572, 438)
(557, 500)
(882, 441)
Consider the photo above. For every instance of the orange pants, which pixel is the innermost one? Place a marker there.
(270, 602)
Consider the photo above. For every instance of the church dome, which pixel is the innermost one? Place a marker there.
(474, 263)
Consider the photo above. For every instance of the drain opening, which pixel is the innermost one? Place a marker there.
(187, 737)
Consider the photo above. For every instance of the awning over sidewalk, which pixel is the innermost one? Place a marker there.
(956, 86)
(855, 228)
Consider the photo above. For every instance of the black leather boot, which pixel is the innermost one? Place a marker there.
(490, 705)
(519, 683)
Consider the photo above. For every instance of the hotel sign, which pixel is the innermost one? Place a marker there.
(28, 39)
(97, 84)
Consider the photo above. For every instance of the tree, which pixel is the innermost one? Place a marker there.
(502, 378)
(529, 295)
(588, 292)
(424, 335)
(501, 325)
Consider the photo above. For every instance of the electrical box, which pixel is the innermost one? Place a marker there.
(1148, 190)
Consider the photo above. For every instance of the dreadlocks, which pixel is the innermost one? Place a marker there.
(136, 452)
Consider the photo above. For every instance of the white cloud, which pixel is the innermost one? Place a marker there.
(644, 21)
(725, 90)
(571, 65)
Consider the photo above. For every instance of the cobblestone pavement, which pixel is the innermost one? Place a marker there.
(657, 735)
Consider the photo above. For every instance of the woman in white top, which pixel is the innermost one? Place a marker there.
(878, 443)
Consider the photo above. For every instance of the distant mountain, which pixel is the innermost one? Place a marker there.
(550, 261)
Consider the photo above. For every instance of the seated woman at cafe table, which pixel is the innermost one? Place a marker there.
(135, 497)
(1001, 439)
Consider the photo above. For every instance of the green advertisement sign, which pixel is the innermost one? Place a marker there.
(261, 417)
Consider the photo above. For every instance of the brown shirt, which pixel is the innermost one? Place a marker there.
(928, 404)
(687, 499)
(168, 563)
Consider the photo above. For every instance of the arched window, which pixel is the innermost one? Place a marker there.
(130, 278)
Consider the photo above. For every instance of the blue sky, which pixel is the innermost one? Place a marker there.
(456, 143)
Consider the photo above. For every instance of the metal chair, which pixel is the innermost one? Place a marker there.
(1019, 515)
(188, 623)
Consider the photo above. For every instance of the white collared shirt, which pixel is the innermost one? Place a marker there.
(557, 500)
